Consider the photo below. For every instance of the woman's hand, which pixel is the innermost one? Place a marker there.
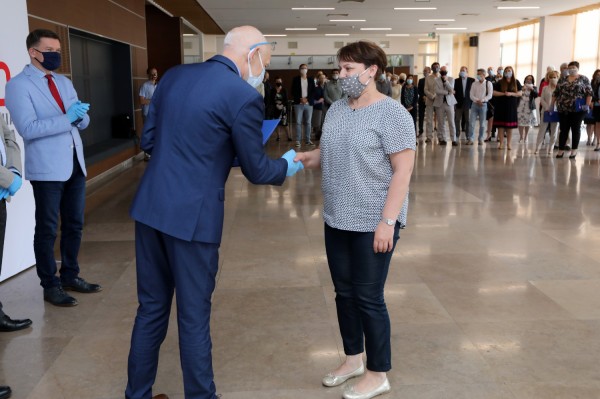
(384, 238)
(310, 159)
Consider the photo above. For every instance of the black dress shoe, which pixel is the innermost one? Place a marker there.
(5, 392)
(442, 142)
(7, 324)
(80, 285)
(454, 144)
(58, 297)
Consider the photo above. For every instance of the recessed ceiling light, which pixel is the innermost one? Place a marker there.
(414, 8)
(300, 28)
(517, 8)
(347, 20)
(397, 34)
(274, 35)
(437, 20)
(312, 8)
(450, 28)
(375, 28)
(337, 34)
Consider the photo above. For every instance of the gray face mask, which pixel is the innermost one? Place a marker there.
(353, 86)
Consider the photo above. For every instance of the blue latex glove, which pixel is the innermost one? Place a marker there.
(4, 193)
(15, 185)
(293, 167)
(77, 111)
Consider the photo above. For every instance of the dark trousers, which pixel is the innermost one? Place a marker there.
(359, 276)
(570, 121)
(2, 236)
(421, 115)
(461, 119)
(413, 113)
(164, 262)
(68, 199)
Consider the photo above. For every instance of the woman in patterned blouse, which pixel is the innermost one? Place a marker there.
(573, 97)
(366, 156)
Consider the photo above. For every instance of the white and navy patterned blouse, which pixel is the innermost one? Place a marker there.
(355, 149)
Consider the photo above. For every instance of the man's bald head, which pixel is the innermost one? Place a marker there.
(240, 47)
(240, 39)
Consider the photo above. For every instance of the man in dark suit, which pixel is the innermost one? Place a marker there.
(201, 117)
(303, 89)
(421, 89)
(462, 89)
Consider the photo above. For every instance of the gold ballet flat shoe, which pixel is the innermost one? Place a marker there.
(350, 393)
(331, 380)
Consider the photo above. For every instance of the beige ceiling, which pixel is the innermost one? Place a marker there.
(273, 16)
(193, 13)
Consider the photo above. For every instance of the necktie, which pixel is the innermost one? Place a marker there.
(54, 91)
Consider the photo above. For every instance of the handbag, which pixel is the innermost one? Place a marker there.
(551, 117)
(580, 105)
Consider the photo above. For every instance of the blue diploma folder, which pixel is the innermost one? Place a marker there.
(268, 127)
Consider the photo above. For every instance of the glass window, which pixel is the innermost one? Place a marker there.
(587, 33)
(519, 49)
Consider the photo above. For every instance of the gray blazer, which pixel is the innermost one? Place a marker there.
(444, 89)
(13, 156)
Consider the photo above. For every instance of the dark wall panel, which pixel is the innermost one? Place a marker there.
(164, 40)
(101, 17)
(102, 77)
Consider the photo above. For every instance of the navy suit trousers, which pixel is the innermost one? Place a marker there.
(165, 265)
(67, 199)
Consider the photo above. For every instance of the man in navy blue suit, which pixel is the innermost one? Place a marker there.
(201, 117)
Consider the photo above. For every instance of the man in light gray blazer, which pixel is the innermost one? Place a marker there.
(444, 106)
(48, 115)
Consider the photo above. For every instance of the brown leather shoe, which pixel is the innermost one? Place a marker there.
(161, 396)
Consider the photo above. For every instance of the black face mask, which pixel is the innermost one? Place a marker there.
(401, 81)
(52, 60)
(278, 84)
(443, 73)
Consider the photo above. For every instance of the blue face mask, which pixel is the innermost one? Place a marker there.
(252, 80)
(462, 74)
(52, 60)
(409, 81)
(508, 74)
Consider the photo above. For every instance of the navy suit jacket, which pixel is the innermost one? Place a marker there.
(463, 99)
(297, 90)
(200, 118)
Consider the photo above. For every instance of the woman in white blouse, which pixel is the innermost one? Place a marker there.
(367, 154)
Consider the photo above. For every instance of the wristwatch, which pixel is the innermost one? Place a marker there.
(389, 222)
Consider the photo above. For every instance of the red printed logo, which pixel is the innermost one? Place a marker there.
(6, 70)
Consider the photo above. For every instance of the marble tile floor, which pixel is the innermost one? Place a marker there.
(494, 290)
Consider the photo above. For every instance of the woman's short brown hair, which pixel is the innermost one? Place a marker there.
(364, 52)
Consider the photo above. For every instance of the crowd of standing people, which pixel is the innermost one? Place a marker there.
(493, 101)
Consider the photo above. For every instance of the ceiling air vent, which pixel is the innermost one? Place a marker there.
(292, 44)
(338, 44)
(354, 1)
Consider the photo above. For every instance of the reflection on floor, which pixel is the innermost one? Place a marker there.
(494, 291)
